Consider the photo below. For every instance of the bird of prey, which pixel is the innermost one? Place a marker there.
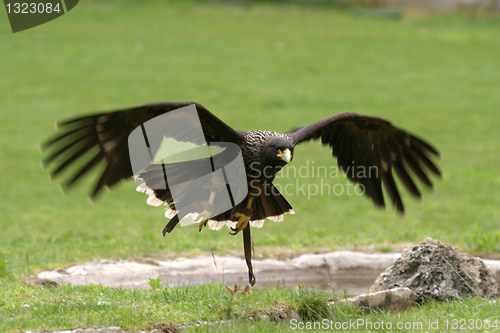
(357, 141)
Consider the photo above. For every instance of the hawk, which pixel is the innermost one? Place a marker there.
(357, 141)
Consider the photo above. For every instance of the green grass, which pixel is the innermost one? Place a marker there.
(259, 67)
(27, 308)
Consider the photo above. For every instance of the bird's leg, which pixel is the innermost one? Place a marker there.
(244, 217)
(217, 185)
(247, 245)
(206, 214)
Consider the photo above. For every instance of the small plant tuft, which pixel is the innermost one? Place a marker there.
(155, 283)
(229, 310)
(312, 305)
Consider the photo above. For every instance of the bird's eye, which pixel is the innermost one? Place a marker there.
(276, 147)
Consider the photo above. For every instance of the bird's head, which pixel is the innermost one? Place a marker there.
(279, 151)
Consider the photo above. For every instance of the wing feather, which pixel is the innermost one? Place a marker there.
(108, 133)
(360, 141)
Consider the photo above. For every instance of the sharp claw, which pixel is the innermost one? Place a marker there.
(235, 231)
(203, 224)
(242, 223)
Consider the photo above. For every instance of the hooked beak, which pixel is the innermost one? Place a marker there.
(286, 155)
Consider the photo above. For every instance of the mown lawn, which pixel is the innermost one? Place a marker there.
(212, 308)
(259, 67)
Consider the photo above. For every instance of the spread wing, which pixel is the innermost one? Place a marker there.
(88, 140)
(369, 149)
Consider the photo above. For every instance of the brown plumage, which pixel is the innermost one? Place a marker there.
(357, 141)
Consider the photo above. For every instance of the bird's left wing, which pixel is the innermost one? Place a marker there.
(104, 136)
(368, 149)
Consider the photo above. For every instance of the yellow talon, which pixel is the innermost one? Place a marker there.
(203, 224)
(204, 217)
(242, 223)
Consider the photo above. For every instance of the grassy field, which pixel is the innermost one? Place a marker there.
(28, 308)
(259, 67)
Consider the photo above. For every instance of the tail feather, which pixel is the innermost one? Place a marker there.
(273, 204)
(269, 204)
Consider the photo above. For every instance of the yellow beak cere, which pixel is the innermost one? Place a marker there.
(286, 155)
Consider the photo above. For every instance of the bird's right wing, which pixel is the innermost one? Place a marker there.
(104, 136)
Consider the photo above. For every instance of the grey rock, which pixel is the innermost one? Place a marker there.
(282, 311)
(434, 270)
(397, 299)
